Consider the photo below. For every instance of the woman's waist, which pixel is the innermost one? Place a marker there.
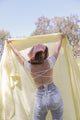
(49, 89)
(44, 85)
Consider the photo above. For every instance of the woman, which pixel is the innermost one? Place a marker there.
(40, 66)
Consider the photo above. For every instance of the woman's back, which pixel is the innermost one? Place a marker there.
(42, 74)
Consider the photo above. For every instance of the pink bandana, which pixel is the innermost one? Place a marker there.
(35, 49)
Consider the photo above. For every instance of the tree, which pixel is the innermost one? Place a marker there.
(3, 36)
(43, 26)
(68, 25)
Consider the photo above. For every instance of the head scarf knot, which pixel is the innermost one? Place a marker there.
(35, 49)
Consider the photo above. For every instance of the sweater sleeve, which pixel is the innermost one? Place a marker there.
(27, 65)
(51, 61)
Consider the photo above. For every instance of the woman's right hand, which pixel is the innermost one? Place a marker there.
(62, 36)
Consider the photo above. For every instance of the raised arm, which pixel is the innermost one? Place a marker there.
(21, 58)
(56, 52)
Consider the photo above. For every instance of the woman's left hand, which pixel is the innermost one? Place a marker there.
(9, 42)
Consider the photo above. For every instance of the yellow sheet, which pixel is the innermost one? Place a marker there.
(17, 89)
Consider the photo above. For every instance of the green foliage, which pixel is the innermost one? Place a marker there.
(3, 36)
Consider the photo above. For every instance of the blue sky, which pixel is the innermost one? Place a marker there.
(19, 16)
